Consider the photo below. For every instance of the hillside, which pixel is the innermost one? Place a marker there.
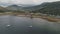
(50, 8)
(2, 9)
(30, 8)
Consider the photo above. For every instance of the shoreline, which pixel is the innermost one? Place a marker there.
(33, 16)
(51, 19)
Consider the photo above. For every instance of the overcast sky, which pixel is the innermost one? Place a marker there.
(26, 1)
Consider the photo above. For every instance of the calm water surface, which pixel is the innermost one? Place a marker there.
(26, 25)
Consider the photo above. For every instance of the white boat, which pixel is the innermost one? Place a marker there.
(30, 26)
(8, 25)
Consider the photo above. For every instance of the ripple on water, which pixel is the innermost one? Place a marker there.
(23, 25)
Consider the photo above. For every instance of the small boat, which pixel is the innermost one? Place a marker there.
(30, 26)
(8, 25)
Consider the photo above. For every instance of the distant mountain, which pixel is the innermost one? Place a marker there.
(8, 4)
(46, 8)
(16, 7)
(13, 7)
(2, 9)
(52, 8)
(26, 7)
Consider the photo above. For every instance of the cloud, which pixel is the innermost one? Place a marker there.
(26, 1)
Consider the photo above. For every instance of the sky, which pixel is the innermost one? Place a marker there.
(26, 1)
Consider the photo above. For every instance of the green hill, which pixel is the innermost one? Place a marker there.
(52, 8)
